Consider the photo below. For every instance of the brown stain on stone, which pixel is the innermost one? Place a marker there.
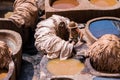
(64, 67)
(64, 4)
(104, 3)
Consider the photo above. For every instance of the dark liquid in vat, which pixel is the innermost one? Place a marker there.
(101, 27)
(64, 4)
(61, 79)
(105, 78)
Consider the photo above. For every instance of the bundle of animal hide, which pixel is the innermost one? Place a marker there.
(5, 55)
(25, 13)
(105, 54)
(50, 35)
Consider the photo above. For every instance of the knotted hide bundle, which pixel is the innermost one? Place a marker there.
(25, 12)
(105, 54)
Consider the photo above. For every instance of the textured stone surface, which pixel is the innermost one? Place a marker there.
(30, 67)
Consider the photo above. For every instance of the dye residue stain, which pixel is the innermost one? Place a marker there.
(64, 4)
(104, 3)
(64, 67)
(101, 27)
(3, 74)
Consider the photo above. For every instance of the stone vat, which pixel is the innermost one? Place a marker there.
(101, 26)
(46, 75)
(94, 72)
(10, 74)
(14, 41)
(83, 11)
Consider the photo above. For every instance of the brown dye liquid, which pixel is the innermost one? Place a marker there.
(64, 67)
(8, 14)
(64, 4)
(104, 3)
(3, 74)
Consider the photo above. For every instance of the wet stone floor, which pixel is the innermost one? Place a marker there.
(30, 67)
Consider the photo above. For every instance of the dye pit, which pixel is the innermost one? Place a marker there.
(64, 4)
(3, 74)
(46, 74)
(105, 26)
(105, 78)
(64, 67)
(104, 3)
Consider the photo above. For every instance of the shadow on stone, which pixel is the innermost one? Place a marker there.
(62, 78)
(27, 71)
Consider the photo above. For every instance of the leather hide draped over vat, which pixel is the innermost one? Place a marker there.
(105, 54)
(5, 55)
(6, 62)
(14, 42)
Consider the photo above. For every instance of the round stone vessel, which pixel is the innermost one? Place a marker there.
(97, 27)
(8, 74)
(64, 4)
(64, 67)
(14, 42)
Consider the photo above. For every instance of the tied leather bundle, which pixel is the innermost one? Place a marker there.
(105, 54)
(51, 37)
(5, 56)
(25, 13)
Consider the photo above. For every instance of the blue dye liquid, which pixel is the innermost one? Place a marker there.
(101, 27)
(102, 78)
